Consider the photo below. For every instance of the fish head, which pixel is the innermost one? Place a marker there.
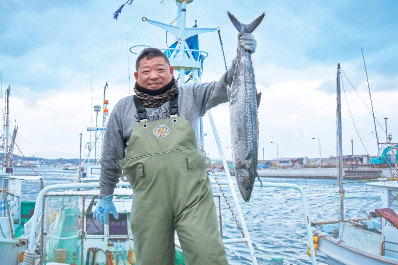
(245, 183)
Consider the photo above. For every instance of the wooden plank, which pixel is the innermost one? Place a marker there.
(389, 215)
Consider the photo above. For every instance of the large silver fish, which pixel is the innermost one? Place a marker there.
(243, 104)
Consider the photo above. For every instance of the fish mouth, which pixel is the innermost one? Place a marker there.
(245, 184)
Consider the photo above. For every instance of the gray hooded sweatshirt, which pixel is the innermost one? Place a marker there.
(193, 102)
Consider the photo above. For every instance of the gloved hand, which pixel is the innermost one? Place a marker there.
(247, 41)
(104, 207)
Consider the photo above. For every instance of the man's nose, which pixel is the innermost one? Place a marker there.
(154, 75)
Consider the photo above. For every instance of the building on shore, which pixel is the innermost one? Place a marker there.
(351, 160)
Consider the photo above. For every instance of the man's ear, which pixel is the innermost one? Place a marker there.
(172, 70)
(136, 76)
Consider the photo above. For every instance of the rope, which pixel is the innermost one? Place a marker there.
(29, 258)
(353, 118)
(179, 256)
(361, 99)
(2, 231)
(222, 48)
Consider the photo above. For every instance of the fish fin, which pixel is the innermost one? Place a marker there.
(239, 26)
(259, 180)
(258, 97)
(245, 28)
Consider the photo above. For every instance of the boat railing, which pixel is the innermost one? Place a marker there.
(33, 226)
(383, 247)
(278, 185)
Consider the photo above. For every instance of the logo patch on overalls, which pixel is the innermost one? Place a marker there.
(161, 131)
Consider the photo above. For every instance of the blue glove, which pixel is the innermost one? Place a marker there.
(247, 42)
(104, 207)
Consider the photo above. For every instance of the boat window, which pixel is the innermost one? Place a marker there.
(118, 227)
(394, 200)
(95, 171)
(93, 226)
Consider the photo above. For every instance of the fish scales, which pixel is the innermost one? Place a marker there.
(243, 100)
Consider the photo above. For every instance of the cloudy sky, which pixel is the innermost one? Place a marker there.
(51, 52)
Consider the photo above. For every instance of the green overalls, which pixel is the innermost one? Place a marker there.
(171, 192)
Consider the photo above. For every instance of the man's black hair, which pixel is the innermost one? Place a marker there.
(150, 53)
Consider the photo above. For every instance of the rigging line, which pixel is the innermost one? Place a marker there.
(371, 102)
(353, 118)
(361, 98)
(222, 48)
(128, 62)
(24, 158)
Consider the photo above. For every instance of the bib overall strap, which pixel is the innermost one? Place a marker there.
(141, 112)
(174, 106)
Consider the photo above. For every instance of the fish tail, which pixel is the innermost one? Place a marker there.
(245, 28)
(258, 99)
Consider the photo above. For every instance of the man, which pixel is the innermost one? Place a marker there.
(153, 137)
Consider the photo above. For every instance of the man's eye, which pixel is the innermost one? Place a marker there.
(145, 72)
(161, 69)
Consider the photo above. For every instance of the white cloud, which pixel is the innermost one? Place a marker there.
(47, 52)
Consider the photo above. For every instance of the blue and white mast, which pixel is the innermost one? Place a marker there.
(181, 57)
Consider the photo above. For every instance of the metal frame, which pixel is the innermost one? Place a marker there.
(383, 247)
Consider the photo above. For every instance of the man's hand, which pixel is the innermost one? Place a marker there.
(104, 207)
(247, 42)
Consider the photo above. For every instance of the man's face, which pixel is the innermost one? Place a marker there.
(153, 73)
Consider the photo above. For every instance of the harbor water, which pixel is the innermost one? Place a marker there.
(274, 216)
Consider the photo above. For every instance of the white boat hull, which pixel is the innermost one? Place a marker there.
(339, 253)
(9, 251)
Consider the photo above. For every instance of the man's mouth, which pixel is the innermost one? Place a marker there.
(154, 84)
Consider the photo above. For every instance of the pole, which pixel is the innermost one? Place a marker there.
(231, 186)
(320, 153)
(95, 140)
(80, 158)
(277, 156)
(385, 119)
(6, 131)
(339, 150)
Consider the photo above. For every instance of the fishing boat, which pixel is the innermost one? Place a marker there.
(69, 166)
(14, 212)
(63, 230)
(369, 240)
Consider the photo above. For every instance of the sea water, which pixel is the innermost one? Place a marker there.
(274, 216)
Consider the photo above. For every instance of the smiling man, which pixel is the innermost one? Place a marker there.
(153, 136)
